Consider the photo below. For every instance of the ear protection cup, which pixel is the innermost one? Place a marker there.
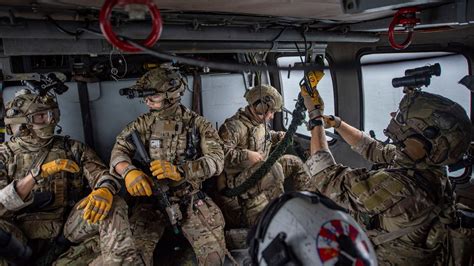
(416, 148)
(262, 106)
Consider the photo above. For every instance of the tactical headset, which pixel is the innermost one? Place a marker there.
(264, 99)
(430, 128)
(417, 143)
(263, 105)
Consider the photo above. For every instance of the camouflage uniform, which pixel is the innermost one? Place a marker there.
(166, 135)
(41, 224)
(405, 206)
(241, 133)
(47, 223)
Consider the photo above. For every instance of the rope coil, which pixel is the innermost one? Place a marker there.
(298, 118)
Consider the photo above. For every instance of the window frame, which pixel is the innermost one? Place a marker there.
(276, 81)
(460, 50)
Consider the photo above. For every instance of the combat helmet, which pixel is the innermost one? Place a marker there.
(264, 98)
(165, 80)
(438, 125)
(29, 113)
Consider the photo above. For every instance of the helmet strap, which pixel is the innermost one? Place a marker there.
(22, 131)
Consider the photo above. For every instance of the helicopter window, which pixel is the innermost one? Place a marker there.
(222, 96)
(290, 90)
(380, 98)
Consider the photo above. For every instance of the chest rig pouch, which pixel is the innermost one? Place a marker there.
(45, 221)
(65, 187)
(259, 140)
(168, 141)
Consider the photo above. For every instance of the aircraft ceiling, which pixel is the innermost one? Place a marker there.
(324, 10)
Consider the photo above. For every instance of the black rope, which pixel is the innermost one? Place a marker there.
(76, 34)
(298, 118)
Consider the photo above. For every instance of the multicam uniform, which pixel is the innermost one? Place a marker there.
(16, 159)
(241, 133)
(166, 134)
(397, 204)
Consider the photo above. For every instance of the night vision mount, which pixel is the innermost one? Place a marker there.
(46, 83)
(133, 93)
(417, 77)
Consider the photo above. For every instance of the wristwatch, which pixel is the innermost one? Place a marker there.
(318, 121)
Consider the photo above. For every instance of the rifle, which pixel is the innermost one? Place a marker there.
(192, 145)
(159, 190)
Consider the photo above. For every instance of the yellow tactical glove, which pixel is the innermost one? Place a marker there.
(57, 166)
(163, 169)
(138, 183)
(331, 121)
(97, 205)
(313, 101)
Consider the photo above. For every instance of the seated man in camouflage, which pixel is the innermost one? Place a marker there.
(247, 143)
(185, 150)
(42, 178)
(406, 206)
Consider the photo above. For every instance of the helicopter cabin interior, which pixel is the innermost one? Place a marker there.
(225, 47)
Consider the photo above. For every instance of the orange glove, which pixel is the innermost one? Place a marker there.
(138, 183)
(97, 205)
(57, 166)
(163, 169)
(314, 103)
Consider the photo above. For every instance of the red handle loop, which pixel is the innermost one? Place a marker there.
(106, 26)
(405, 17)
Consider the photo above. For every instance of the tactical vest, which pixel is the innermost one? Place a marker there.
(257, 139)
(254, 200)
(169, 138)
(417, 241)
(66, 187)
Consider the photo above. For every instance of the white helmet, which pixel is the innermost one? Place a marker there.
(303, 228)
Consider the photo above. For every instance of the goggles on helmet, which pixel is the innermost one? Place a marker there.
(46, 117)
(155, 98)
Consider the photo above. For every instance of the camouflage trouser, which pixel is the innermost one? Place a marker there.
(114, 241)
(296, 170)
(202, 225)
(243, 211)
